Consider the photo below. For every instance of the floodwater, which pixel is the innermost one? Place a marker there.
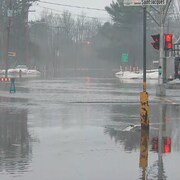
(76, 129)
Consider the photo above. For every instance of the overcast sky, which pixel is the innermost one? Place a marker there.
(99, 4)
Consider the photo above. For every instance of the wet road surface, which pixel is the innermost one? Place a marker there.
(86, 128)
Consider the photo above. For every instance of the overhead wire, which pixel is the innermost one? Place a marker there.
(104, 18)
(72, 6)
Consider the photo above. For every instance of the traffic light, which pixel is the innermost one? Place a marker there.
(156, 38)
(155, 144)
(166, 144)
(168, 41)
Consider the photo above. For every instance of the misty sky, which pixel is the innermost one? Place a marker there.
(100, 4)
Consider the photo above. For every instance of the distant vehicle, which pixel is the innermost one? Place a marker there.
(18, 69)
(21, 70)
(21, 67)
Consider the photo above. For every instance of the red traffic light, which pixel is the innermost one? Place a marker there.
(168, 37)
(167, 144)
(168, 41)
(156, 38)
(155, 144)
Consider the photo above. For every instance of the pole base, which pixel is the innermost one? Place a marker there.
(160, 90)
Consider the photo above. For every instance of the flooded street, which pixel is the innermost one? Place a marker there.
(86, 128)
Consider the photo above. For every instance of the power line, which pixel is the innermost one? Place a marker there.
(71, 6)
(73, 13)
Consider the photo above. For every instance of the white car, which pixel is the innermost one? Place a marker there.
(17, 69)
(24, 70)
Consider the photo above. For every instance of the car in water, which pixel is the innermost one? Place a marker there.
(21, 70)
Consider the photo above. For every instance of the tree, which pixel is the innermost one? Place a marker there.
(63, 42)
(18, 26)
(121, 14)
(125, 35)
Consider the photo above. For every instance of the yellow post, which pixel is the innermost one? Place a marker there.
(144, 110)
(143, 160)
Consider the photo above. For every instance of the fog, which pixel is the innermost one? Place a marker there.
(63, 43)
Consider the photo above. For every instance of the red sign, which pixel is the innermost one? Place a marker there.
(5, 79)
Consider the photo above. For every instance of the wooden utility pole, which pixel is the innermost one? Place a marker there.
(9, 15)
(144, 108)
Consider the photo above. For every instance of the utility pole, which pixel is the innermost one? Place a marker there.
(160, 91)
(9, 15)
(144, 108)
(144, 48)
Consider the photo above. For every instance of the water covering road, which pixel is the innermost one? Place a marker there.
(76, 129)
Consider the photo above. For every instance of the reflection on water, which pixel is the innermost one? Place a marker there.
(163, 138)
(15, 148)
(143, 159)
(129, 139)
(65, 114)
(162, 143)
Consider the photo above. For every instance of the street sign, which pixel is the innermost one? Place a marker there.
(144, 2)
(12, 54)
(154, 2)
(132, 2)
(124, 57)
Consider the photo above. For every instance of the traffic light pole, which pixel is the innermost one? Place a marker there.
(144, 48)
(160, 90)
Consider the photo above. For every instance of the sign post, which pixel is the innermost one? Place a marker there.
(144, 106)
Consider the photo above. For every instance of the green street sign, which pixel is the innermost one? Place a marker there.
(124, 57)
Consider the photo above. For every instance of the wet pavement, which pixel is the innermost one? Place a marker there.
(84, 128)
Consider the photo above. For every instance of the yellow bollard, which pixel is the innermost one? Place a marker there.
(144, 110)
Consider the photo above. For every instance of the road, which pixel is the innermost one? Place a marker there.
(85, 128)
